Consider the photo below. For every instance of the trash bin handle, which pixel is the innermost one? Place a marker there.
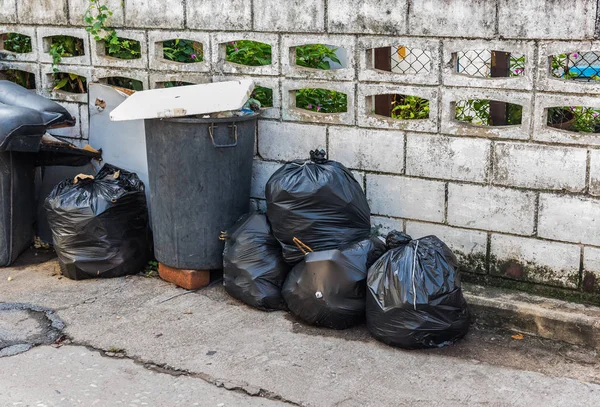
(235, 136)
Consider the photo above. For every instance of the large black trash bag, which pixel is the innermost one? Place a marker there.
(318, 202)
(100, 226)
(253, 266)
(327, 288)
(437, 315)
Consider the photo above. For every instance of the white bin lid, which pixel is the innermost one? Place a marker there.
(184, 101)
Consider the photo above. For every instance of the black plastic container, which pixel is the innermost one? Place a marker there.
(17, 204)
(200, 172)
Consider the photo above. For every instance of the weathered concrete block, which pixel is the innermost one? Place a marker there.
(47, 87)
(451, 126)
(288, 141)
(42, 12)
(102, 74)
(261, 172)
(382, 225)
(591, 270)
(84, 122)
(71, 132)
(491, 208)
(595, 172)
(31, 67)
(291, 112)
(516, 48)
(8, 11)
(453, 158)
(78, 8)
(44, 39)
(558, 19)
(367, 16)
(156, 57)
(469, 246)
(569, 219)
(546, 81)
(543, 132)
(371, 150)
(535, 260)
(219, 53)
(360, 178)
(366, 107)
(14, 56)
(219, 14)
(293, 15)
(403, 197)
(539, 166)
(99, 57)
(157, 80)
(452, 18)
(418, 60)
(154, 13)
(266, 82)
(346, 50)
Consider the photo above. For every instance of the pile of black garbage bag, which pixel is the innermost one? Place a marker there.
(313, 254)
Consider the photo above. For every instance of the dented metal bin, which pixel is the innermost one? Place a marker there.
(200, 172)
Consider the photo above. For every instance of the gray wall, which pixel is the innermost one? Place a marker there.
(520, 202)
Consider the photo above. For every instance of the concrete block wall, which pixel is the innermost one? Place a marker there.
(516, 203)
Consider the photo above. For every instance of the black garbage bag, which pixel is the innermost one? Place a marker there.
(437, 315)
(253, 266)
(100, 226)
(318, 202)
(327, 288)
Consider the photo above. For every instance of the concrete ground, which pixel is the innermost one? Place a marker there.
(140, 340)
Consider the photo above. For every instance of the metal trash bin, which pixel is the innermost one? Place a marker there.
(200, 146)
(200, 172)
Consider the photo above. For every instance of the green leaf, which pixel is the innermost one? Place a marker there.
(61, 84)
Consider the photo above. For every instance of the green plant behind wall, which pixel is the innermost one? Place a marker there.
(316, 56)
(95, 18)
(322, 100)
(64, 46)
(17, 43)
(185, 51)
(250, 53)
(25, 79)
(69, 82)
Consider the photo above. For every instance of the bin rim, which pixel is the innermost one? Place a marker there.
(208, 120)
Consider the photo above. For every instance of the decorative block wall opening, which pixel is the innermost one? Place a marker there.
(580, 66)
(399, 107)
(321, 100)
(249, 53)
(15, 43)
(63, 46)
(319, 56)
(577, 119)
(399, 59)
(263, 95)
(182, 51)
(489, 113)
(68, 82)
(23, 78)
(122, 82)
(119, 48)
(172, 84)
(489, 64)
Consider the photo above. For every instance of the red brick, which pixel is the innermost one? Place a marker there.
(188, 279)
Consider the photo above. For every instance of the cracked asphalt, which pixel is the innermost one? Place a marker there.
(136, 340)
